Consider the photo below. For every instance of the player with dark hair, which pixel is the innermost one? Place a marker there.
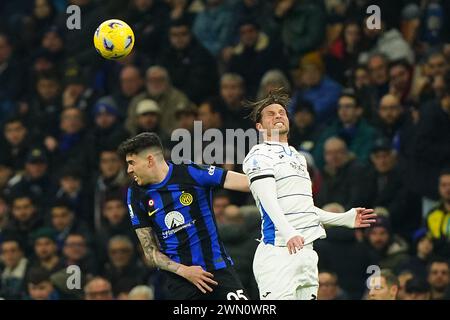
(171, 210)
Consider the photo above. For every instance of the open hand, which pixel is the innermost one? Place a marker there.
(197, 276)
(364, 217)
(295, 243)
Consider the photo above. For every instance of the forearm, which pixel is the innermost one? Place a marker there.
(346, 219)
(265, 190)
(153, 256)
(236, 181)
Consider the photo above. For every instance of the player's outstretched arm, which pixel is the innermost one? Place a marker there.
(156, 259)
(353, 218)
(236, 181)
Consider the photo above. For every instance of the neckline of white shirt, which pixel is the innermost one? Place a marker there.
(284, 144)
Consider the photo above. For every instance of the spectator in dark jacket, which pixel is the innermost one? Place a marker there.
(355, 131)
(191, 67)
(387, 249)
(391, 118)
(44, 109)
(108, 130)
(76, 193)
(12, 276)
(122, 263)
(39, 285)
(343, 254)
(15, 144)
(46, 250)
(432, 145)
(379, 74)
(149, 20)
(35, 180)
(388, 189)
(239, 239)
(316, 87)
(254, 55)
(232, 92)
(417, 263)
(64, 221)
(114, 214)
(213, 26)
(25, 219)
(301, 27)
(111, 178)
(304, 131)
(68, 147)
(11, 78)
(77, 252)
(344, 179)
(131, 84)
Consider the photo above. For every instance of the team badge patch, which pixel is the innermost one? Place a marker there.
(151, 203)
(186, 198)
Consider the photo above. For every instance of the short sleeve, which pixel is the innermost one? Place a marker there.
(136, 210)
(258, 166)
(207, 176)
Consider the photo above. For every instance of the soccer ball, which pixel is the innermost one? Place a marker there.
(113, 39)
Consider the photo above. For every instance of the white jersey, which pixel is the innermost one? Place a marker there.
(293, 187)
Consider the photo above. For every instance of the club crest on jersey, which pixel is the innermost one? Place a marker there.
(211, 170)
(186, 198)
(174, 219)
(151, 203)
(255, 165)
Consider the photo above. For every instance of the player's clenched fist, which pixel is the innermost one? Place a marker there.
(295, 243)
(197, 276)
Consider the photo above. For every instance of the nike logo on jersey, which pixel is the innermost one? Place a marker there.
(266, 294)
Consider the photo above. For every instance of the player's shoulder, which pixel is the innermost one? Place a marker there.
(134, 192)
(258, 151)
(197, 167)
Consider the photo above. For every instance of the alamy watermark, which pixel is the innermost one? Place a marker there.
(228, 146)
(73, 281)
(73, 21)
(374, 280)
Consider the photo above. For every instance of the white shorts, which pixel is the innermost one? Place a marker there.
(282, 276)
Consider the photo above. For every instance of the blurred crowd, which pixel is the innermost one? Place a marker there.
(370, 110)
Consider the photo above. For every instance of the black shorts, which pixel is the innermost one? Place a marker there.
(229, 287)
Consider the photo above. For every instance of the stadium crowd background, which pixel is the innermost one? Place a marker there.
(370, 110)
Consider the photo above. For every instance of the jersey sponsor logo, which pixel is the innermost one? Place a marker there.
(186, 198)
(174, 219)
(297, 166)
(168, 233)
(211, 170)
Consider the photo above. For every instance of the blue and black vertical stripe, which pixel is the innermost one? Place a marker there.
(199, 243)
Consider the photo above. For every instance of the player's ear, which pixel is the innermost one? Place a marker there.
(150, 160)
(259, 126)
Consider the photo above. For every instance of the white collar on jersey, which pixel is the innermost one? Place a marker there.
(284, 144)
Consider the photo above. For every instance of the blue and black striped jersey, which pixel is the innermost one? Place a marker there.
(179, 211)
